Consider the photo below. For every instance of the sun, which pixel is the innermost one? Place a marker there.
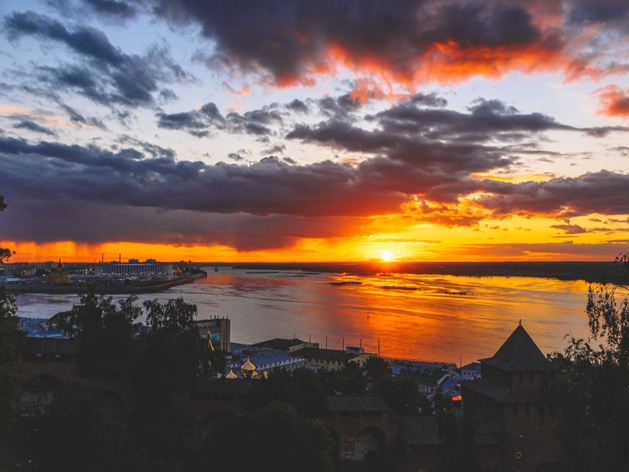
(386, 256)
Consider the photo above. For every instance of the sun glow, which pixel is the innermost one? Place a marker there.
(386, 256)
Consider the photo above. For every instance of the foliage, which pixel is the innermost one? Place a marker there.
(377, 368)
(106, 329)
(591, 398)
(278, 439)
(78, 433)
(354, 383)
(402, 396)
(4, 253)
(9, 338)
(457, 434)
(171, 352)
(300, 389)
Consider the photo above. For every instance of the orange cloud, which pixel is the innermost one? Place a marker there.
(614, 101)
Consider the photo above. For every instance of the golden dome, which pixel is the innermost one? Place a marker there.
(231, 375)
(248, 366)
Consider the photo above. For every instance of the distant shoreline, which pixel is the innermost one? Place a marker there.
(591, 272)
(99, 289)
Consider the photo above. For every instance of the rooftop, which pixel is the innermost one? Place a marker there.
(519, 353)
(358, 403)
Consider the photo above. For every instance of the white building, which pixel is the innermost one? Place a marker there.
(133, 269)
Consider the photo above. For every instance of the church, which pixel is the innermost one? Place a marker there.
(58, 276)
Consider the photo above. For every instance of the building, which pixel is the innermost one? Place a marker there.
(364, 431)
(58, 276)
(217, 331)
(510, 392)
(285, 345)
(333, 359)
(150, 268)
(471, 371)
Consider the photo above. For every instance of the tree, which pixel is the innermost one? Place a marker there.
(169, 357)
(106, 330)
(354, 383)
(591, 398)
(377, 368)
(9, 338)
(300, 389)
(457, 434)
(79, 434)
(402, 396)
(277, 439)
(4, 253)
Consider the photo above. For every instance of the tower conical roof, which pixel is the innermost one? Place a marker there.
(519, 353)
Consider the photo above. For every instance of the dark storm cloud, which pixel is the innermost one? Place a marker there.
(298, 106)
(112, 7)
(277, 149)
(269, 186)
(338, 107)
(487, 120)
(151, 149)
(75, 117)
(613, 13)
(109, 76)
(235, 156)
(254, 122)
(602, 192)
(430, 100)
(54, 176)
(292, 39)
(441, 141)
(93, 222)
(570, 229)
(85, 40)
(32, 126)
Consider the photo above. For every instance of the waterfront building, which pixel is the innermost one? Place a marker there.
(150, 268)
(58, 276)
(285, 345)
(333, 359)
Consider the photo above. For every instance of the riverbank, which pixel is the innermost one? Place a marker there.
(591, 272)
(101, 289)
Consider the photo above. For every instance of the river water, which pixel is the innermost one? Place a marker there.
(436, 318)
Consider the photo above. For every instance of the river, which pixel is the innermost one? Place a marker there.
(435, 318)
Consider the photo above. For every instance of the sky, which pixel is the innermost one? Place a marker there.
(335, 130)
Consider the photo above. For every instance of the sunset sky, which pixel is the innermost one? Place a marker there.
(327, 130)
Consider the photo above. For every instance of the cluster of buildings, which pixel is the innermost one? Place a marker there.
(106, 277)
(514, 430)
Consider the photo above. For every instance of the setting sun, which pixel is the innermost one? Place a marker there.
(386, 256)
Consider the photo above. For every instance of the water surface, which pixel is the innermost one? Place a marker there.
(444, 318)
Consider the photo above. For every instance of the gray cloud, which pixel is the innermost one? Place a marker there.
(32, 126)
(112, 8)
(109, 76)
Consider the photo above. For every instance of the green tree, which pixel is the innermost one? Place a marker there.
(106, 329)
(169, 357)
(300, 389)
(278, 439)
(354, 382)
(78, 433)
(9, 337)
(590, 400)
(172, 349)
(402, 395)
(377, 368)
(457, 434)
